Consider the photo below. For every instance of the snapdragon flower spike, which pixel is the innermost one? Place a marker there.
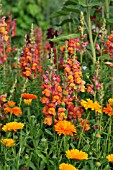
(52, 96)
(4, 41)
(75, 45)
(109, 45)
(30, 63)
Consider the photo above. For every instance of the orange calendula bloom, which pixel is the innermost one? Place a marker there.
(76, 154)
(29, 96)
(12, 126)
(65, 127)
(64, 166)
(16, 111)
(8, 142)
(11, 103)
(110, 158)
(108, 110)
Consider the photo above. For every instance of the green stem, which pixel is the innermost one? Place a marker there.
(90, 35)
(109, 133)
(107, 3)
(81, 134)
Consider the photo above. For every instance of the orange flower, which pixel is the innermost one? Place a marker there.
(76, 154)
(16, 111)
(46, 92)
(65, 166)
(52, 111)
(65, 127)
(11, 103)
(8, 142)
(110, 101)
(108, 110)
(44, 100)
(12, 126)
(48, 120)
(84, 124)
(110, 158)
(28, 96)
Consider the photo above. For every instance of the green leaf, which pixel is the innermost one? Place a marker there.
(39, 154)
(48, 132)
(64, 37)
(33, 9)
(59, 13)
(65, 22)
(82, 3)
(95, 3)
(110, 21)
(31, 165)
(71, 9)
(71, 2)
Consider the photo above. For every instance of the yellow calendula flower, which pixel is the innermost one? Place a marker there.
(97, 107)
(28, 101)
(8, 142)
(76, 154)
(65, 166)
(12, 126)
(110, 101)
(89, 104)
(65, 127)
(110, 158)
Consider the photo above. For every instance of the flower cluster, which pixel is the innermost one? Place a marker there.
(12, 109)
(109, 45)
(75, 45)
(52, 98)
(89, 104)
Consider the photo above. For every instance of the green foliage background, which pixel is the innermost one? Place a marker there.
(31, 11)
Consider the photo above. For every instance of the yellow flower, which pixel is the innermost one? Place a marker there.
(27, 101)
(8, 142)
(64, 166)
(65, 127)
(110, 158)
(12, 126)
(90, 105)
(97, 107)
(76, 154)
(110, 101)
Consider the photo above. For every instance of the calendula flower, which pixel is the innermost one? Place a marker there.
(12, 126)
(110, 101)
(11, 103)
(110, 158)
(65, 166)
(28, 96)
(28, 101)
(65, 127)
(8, 142)
(76, 154)
(97, 107)
(87, 104)
(90, 105)
(108, 110)
(16, 111)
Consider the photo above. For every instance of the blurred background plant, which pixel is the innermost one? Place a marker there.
(31, 11)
